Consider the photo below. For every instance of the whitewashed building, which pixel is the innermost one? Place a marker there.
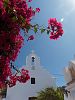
(69, 73)
(40, 78)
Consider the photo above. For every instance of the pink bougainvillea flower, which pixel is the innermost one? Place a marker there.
(1, 4)
(55, 28)
(37, 9)
(23, 79)
(14, 15)
(2, 84)
(30, 37)
(24, 76)
(54, 36)
(52, 21)
(23, 71)
(29, 0)
(12, 81)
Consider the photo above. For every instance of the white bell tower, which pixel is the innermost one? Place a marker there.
(32, 60)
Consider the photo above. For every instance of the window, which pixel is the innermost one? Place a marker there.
(32, 80)
(33, 63)
(32, 98)
(33, 59)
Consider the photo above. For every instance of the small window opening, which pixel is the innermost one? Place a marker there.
(32, 80)
(33, 59)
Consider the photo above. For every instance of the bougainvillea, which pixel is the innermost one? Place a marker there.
(16, 15)
(55, 28)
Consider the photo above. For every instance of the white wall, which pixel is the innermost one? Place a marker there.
(68, 77)
(22, 91)
(43, 79)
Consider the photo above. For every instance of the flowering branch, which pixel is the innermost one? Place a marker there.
(16, 15)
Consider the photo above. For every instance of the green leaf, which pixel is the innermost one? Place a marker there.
(14, 18)
(6, 3)
(35, 29)
(28, 27)
(22, 19)
(42, 30)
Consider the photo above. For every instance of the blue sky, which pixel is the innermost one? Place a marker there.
(54, 55)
